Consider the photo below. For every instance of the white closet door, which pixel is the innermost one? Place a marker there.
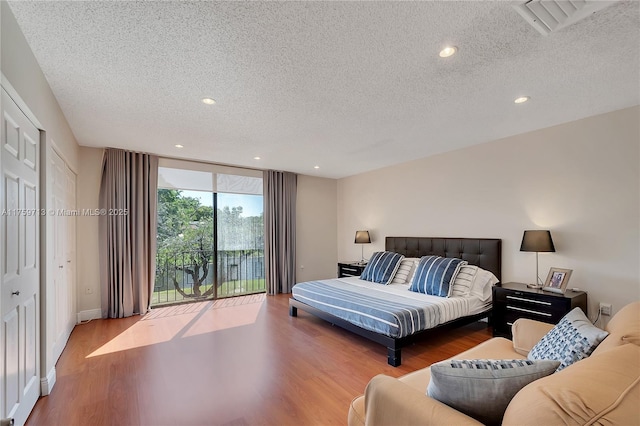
(62, 257)
(19, 264)
(70, 249)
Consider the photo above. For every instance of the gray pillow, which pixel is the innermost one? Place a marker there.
(482, 388)
(571, 340)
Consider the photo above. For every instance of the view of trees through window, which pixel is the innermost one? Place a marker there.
(208, 245)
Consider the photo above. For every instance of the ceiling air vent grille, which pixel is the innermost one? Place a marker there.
(551, 15)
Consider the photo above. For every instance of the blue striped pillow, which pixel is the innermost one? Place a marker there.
(434, 275)
(381, 267)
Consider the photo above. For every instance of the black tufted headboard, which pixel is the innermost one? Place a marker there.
(483, 252)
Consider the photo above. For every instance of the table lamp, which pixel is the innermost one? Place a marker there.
(362, 237)
(537, 241)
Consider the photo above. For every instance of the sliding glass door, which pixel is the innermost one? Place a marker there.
(240, 244)
(210, 236)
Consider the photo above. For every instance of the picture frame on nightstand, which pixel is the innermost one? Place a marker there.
(557, 280)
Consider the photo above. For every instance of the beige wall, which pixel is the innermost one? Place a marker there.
(89, 176)
(579, 179)
(22, 74)
(316, 222)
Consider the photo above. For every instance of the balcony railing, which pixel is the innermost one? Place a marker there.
(189, 276)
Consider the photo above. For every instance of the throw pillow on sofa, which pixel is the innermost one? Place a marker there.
(483, 388)
(572, 339)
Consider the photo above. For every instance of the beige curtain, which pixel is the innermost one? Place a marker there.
(280, 190)
(128, 219)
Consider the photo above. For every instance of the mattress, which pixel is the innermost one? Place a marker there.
(391, 310)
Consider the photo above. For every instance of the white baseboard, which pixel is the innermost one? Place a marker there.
(91, 314)
(47, 383)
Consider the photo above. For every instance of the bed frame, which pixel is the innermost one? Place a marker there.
(483, 252)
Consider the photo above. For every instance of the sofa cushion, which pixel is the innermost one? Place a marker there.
(483, 388)
(356, 412)
(572, 339)
(527, 333)
(603, 389)
(494, 348)
(624, 327)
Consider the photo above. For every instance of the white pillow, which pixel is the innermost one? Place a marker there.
(463, 281)
(482, 284)
(405, 271)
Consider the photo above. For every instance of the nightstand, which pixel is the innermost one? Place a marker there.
(515, 300)
(350, 269)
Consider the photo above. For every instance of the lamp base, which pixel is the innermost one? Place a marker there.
(534, 286)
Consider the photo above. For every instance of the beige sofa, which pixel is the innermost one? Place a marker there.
(601, 389)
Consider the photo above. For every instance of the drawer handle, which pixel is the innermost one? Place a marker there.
(528, 310)
(529, 300)
(350, 269)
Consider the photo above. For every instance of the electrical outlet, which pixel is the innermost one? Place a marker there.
(605, 308)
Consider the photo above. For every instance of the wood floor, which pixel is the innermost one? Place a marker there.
(240, 361)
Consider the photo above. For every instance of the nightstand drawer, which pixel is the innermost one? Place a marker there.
(350, 269)
(520, 297)
(513, 313)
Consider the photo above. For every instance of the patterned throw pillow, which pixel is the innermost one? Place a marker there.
(463, 281)
(405, 270)
(483, 388)
(381, 267)
(434, 275)
(572, 339)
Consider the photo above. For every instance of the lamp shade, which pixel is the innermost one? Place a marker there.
(538, 241)
(362, 237)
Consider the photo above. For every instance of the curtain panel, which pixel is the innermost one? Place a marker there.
(128, 222)
(280, 191)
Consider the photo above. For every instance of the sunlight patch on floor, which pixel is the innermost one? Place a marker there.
(162, 325)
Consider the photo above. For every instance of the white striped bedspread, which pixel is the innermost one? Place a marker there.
(391, 310)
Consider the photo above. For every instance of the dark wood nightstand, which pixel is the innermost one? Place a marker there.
(515, 300)
(350, 269)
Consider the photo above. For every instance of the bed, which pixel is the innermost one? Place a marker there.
(413, 317)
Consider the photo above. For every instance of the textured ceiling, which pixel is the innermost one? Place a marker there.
(347, 86)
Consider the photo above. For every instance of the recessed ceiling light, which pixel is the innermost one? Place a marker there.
(521, 99)
(316, 167)
(208, 101)
(256, 158)
(448, 51)
(179, 146)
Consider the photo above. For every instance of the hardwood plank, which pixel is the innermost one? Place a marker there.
(230, 362)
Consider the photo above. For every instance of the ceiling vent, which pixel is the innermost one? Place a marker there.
(547, 16)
